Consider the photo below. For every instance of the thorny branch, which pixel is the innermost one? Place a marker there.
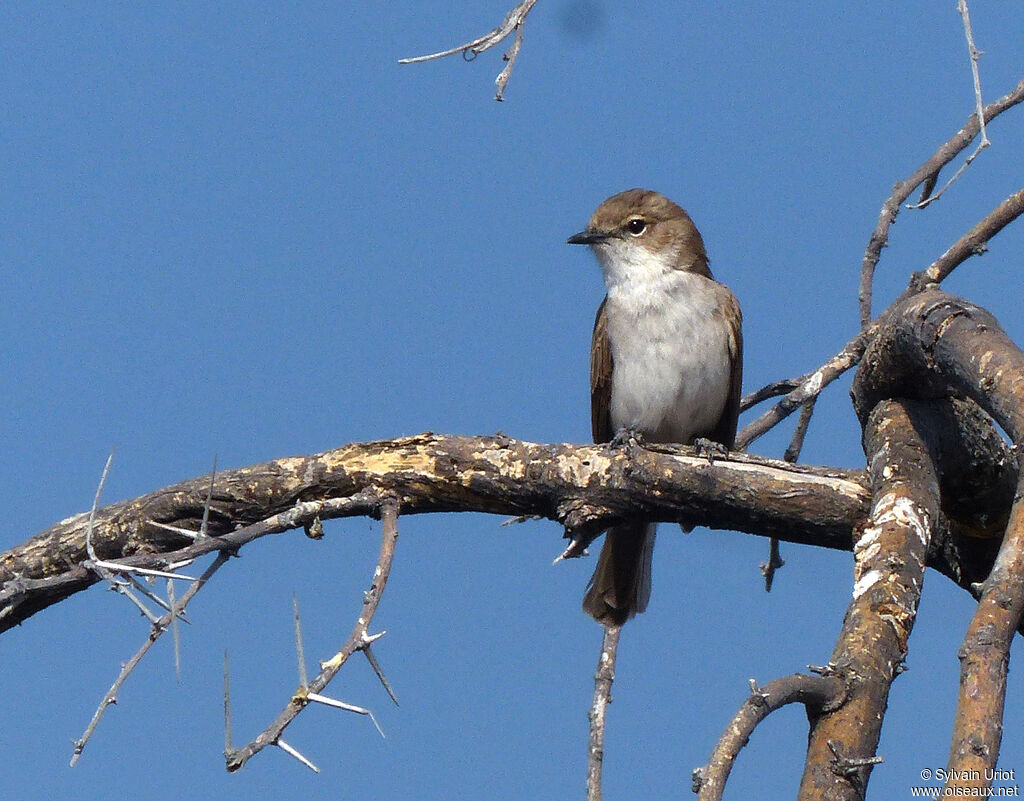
(157, 629)
(513, 22)
(584, 487)
(359, 640)
(157, 625)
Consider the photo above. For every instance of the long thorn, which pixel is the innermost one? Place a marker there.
(292, 752)
(95, 505)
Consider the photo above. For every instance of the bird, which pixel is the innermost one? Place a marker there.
(666, 364)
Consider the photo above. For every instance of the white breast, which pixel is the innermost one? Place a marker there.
(670, 353)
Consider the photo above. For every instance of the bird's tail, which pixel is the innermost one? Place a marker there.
(621, 584)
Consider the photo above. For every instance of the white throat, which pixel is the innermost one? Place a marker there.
(670, 346)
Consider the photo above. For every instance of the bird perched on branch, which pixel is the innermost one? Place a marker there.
(666, 364)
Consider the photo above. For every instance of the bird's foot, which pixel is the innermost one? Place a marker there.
(710, 449)
(626, 436)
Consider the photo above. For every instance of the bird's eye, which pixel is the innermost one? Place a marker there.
(636, 226)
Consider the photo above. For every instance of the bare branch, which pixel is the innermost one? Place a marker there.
(973, 243)
(984, 661)
(772, 390)
(809, 388)
(603, 678)
(817, 693)
(513, 22)
(927, 172)
(358, 640)
(158, 628)
(889, 563)
(926, 195)
(584, 487)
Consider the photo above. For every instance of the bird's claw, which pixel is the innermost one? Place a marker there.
(709, 449)
(626, 436)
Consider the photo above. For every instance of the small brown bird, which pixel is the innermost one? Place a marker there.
(666, 363)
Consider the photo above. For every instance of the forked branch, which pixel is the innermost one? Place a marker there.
(513, 23)
(359, 640)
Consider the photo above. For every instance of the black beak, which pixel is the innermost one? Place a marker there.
(587, 237)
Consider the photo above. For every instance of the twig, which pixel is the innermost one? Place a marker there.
(95, 506)
(973, 243)
(603, 678)
(227, 705)
(300, 651)
(175, 633)
(817, 693)
(792, 455)
(772, 390)
(796, 444)
(927, 172)
(926, 195)
(775, 561)
(158, 628)
(235, 758)
(809, 388)
(975, 54)
(513, 22)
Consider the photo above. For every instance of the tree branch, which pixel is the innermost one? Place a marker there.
(889, 562)
(941, 344)
(358, 640)
(925, 174)
(513, 22)
(603, 678)
(817, 693)
(584, 487)
(973, 243)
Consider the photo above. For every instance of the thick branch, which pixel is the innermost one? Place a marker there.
(984, 661)
(585, 487)
(935, 344)
(889, 570)
(938, 344)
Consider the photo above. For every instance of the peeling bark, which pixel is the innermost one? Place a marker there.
(889, 562)
(584, 487)
(938, 345)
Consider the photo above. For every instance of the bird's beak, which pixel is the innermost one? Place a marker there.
(587, 237)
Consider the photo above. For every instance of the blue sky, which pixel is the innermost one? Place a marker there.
(243, 230)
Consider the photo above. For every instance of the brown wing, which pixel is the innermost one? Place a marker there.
(601, 379)
(725, 431)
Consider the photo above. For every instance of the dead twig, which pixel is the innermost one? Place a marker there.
(973, 243)
(158, 628)
(513, 22)
(926, 174)
(603, 678)
(817, 693)
(358, 640)
(926, 195)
